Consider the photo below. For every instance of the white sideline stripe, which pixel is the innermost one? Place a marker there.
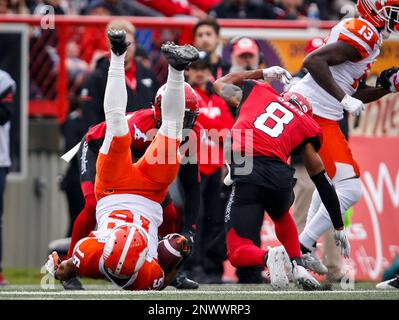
(178, 292)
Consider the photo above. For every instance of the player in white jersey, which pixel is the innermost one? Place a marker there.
(332, 85)
(124, 246)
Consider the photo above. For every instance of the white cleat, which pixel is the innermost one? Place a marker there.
(275, 264)
(312, 262)
(287, 263)
(304, 278)
(392, 284)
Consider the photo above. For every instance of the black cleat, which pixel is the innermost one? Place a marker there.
(181, 282)
(72, 284)
(179, 57)
(117, 40)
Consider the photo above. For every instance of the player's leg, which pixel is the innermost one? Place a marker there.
(114, 168)
(160, 162)
(349, 193)
(277, 205)
(244, 218)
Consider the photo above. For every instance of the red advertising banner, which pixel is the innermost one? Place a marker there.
(374, 228)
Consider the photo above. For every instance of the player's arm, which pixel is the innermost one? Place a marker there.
(317, 173)
(228, 86)
(319, 61)
(369, 94)
(64, 270)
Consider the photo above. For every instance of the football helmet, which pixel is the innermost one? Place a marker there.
(191, 107)
(299, 101)
(380, 13)
(125, 250)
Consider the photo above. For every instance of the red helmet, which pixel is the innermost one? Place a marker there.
(299, 101)
(191, 108)
(380, 13)
(125, 251)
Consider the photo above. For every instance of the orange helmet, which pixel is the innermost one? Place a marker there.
(191, 107)
(125, 250)
(380, 13)
(298, 101)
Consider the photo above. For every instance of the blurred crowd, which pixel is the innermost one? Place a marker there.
(236, 9)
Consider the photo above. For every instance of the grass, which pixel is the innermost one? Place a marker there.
(25, 284)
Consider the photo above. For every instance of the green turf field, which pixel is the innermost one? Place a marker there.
(25, 284)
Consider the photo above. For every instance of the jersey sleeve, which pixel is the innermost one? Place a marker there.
(360, 35)
(312, 134)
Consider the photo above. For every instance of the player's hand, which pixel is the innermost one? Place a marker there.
(52, 263)
(352, 105)
(278, 73)
(342, 240)
(389, 79)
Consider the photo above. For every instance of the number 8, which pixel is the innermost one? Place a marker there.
(280, 122)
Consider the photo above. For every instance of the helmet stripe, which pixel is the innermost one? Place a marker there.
(125, 250)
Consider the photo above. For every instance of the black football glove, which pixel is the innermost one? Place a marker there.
(385, 79)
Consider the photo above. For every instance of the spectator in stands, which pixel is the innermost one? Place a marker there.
(245, 54)
(290, 9)
(140, 82)
(244, 9)
(13, 7)
(207, 38)
(170, 8)
(214, 115)
(41, 7)
(7, 91)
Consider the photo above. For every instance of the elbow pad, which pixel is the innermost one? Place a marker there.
(329, 198)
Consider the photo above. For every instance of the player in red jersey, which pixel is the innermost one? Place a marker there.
(123, 248)
(268, 129)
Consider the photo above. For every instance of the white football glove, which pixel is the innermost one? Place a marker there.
(52, 263)
(352, 105)
(278, 73)
(342, 240)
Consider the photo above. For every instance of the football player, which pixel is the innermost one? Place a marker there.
(268, 129)
(143, 125)
(332, 85)
(128, 213)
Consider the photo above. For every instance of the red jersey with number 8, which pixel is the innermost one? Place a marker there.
(269, 126)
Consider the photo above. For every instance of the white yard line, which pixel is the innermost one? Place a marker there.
(172, 292)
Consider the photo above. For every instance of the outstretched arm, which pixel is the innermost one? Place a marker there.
(228, 86)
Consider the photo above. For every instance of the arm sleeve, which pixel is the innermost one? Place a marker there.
(189, 178)
(329, 198)
(6, 105)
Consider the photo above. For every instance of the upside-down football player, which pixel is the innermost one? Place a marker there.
(143, 124)
(334, 84)
(269, 127)
(124, 246)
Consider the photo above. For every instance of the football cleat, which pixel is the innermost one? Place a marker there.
(312, 262)
(181, 282)
(287, 263)
(275, 265)
(117, 40)
(303, 278)
(179, 57)
(72, 284)
(392, 284)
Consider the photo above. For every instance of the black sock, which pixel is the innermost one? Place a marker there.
(304, 249)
